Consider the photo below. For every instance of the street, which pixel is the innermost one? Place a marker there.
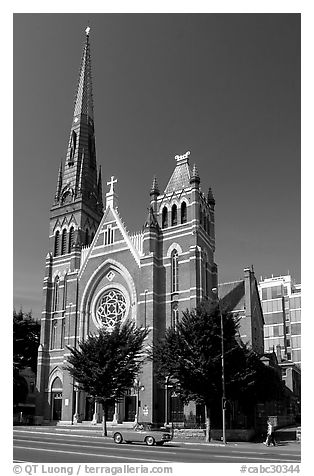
(45, 446)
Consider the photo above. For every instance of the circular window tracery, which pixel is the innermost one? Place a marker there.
(111, 307)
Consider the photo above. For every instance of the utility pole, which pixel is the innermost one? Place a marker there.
(223, 399)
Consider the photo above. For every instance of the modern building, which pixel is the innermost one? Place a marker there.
(96, 271)
(281, 302)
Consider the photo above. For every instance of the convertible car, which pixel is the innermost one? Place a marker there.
(142, 433)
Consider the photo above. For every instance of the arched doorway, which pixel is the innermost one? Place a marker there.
(56, 399)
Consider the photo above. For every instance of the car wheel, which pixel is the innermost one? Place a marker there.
(117, 438)
(150, 441)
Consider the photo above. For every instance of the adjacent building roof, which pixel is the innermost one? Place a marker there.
(232, 295)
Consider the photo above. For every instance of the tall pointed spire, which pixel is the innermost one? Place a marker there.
(79, 177)
(84, 96)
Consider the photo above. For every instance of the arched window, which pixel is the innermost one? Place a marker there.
(201, 215)
(174, 315)
(62, 333)
(56, 294)
(54, 334)
(183, 213)
(57, 243)
(174, 215)
(73, 147)
(206, 279)
(174, 271)
(64, 292)
(64, 242)
(71, 239)
(164, 220)
(86, 237)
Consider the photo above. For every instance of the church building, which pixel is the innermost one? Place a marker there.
(96, 271)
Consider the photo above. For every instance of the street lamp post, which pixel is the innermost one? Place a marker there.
(223, 400)
(138, 387)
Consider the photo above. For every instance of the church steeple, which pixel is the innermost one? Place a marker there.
(79, 180)
(78, 183)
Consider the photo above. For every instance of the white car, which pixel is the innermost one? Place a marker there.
(142, 433)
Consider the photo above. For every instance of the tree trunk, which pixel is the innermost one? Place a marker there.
(104, 421)
(207, 420)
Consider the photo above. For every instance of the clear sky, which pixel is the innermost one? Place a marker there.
(224, 86)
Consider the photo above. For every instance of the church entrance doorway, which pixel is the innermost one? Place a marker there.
(56, 399)
(89, 408)
(130, 408)
(56, 405)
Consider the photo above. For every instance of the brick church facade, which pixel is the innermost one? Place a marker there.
(96, 271)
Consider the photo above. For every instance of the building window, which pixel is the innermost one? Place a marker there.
(296, 329)
(284, 372)
(64, 292)
(110, 308)
(288, 355)
(276, 292)
(71, 239)
(164, 219)
(288, 343)
(174, 215)
(287, 330)
(73, 147)
(109, 235)
(183, 213)
(64, 242)
(174, 315)
(206, 279)
(56, 294)
(174, 271)
(86, 237)
(62, 333)
(201, 215)
(57, 243)
(54, 334)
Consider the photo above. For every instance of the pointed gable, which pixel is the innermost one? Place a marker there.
(111, 237)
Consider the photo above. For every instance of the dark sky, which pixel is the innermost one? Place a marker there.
(224, 86)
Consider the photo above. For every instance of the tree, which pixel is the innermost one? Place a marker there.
(105, 365)
(191, 355)
(26, 333)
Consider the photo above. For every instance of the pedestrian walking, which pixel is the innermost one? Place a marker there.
(270, 434)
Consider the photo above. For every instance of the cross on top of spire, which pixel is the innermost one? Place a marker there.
(111, 183)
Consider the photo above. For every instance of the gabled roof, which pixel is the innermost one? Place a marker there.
(232, 295)
(111, 215)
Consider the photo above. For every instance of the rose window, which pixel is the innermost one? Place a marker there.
(110, 308)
